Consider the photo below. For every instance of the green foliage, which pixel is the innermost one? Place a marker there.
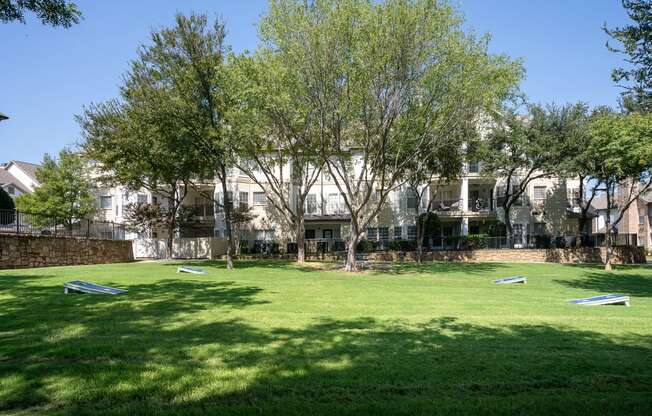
(6, 202)
(51, 12)
(635, 40)
(65, 192)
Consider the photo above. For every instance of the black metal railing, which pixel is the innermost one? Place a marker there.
(28, 223)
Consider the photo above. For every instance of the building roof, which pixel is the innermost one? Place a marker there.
(7, 178)
(29, 168)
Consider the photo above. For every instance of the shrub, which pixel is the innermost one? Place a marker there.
(6, 203)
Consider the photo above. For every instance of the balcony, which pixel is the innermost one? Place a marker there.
(450, 205)
(482, 205)
(202, 211)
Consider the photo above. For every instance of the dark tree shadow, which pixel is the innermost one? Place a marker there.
(633, 284)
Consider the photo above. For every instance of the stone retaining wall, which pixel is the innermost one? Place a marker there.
(23, 251)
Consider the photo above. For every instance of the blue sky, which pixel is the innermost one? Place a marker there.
(47, 75)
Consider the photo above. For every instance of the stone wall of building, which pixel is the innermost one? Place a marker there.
(24, 251)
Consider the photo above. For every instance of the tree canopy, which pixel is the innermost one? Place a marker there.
(65, 191)
(50, 12)
(635, 41)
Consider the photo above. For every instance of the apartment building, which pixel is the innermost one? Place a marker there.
(637, 219)
(470, 205)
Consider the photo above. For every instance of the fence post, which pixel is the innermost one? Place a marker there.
(17, 221)
(113, 233)
(88, 228)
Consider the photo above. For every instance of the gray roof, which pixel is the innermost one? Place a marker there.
(29, 168)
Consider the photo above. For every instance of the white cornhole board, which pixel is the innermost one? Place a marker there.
(511, 279)
(80, 286)
(610, 299)
(194, 270)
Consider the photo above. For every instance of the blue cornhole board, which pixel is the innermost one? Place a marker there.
(511, 279)
(610, 299)
(80, 286)
(194, 270)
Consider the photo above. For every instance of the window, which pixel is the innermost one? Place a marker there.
(327, 176)
(154, 200)
(141, 198)
(372, 233)
(311, 204)
(539, 228)
(474, 167)
(259, 198)
(243, 200)
(11, 190)
(641, 219)
(333, 204)
(412, 232)
(310, 234)
(116, 210)
(383, 233)
(327, 233)
(106, 201)
(573, 195)
(539, 193)
(398, 232)
(411, 200)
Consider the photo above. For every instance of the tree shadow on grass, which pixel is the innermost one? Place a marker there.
(166, 351)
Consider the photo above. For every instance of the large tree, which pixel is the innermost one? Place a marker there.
(373, 73)
(277, 137)
(623, 150)
(635, 41)
(50, 12)
(520, 149)
(576, 159)
(168, 129)
(190, 58)
(65, 192)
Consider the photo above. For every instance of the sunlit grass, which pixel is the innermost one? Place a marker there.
(275, 338)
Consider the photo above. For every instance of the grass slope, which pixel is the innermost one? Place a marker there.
(275, 338)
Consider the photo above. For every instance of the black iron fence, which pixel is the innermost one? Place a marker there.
(27, 223)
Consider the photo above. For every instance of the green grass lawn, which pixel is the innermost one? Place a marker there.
(274, 338)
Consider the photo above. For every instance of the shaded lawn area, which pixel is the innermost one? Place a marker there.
(274, 338)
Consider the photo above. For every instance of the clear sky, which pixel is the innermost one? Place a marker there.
(48, 74)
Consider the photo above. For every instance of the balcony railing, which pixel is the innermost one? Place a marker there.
(482, 205)
(447, 205)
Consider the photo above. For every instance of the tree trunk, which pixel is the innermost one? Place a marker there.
(607, 225)
(227, 205)
(581, 224)
(301, 238)
(354, 236)
(420, 232)
(508, 227)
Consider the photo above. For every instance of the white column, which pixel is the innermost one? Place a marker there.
(465, 226)
(465, 194)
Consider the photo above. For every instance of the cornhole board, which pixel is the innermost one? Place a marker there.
(80, 286)
(194, 270)
(610, 299)
(511, 279)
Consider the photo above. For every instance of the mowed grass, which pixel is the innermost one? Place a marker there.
(275, 338)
